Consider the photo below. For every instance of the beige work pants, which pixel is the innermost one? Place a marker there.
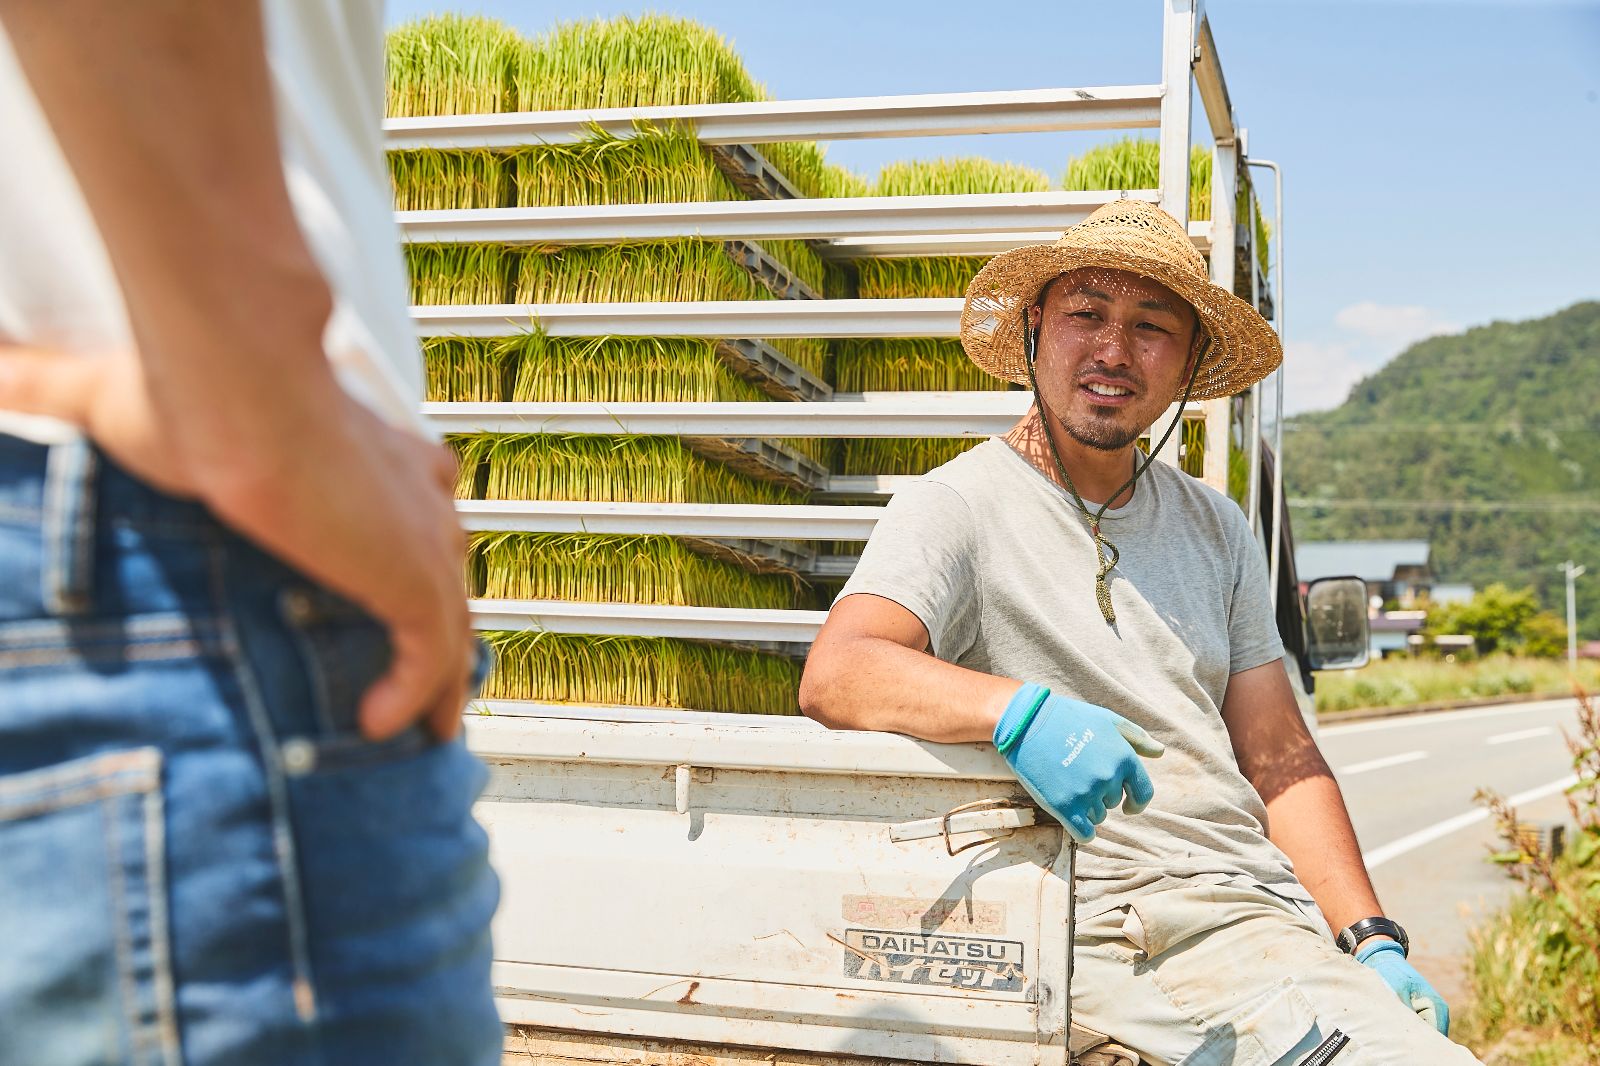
(1224, 975)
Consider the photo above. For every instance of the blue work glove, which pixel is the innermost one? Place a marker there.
(1076, 759)
(1387, 957)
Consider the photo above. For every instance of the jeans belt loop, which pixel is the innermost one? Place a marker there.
(70, 490)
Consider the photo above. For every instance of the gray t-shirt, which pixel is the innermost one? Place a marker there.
(995, 560)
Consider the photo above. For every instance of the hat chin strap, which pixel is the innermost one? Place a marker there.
(1105, 551)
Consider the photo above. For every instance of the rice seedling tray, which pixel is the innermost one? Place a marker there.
(833, 567)
(784, 283)
(771, 371)
(762, 556)
(600, 469)
(751, 173)
(655, 672)
(767, 460)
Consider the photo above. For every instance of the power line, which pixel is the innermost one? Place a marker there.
(1426, 428)
(1309, 503)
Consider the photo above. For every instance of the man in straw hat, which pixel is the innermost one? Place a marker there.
(1106, 623)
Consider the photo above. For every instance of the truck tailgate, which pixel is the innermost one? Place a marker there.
(732, 880)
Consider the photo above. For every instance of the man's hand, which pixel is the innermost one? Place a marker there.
(1389, 960)
(355, 504)
(1076, 759)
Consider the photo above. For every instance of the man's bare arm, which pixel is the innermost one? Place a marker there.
(164, 112)
(869, 668)
(1306, 815)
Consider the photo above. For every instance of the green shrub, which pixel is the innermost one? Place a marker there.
(1535, 966)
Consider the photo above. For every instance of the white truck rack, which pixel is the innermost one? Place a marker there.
(680, 882)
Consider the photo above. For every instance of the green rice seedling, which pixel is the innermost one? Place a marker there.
(658, 59)
(472, 469)
(653, 166)
(465, 369)
(631, 369)
(451, 65)
(806, 166)
(1135, 163)
(801, 260)
(952, 177)
(839, 279)
(823, 450)
(431, 180)
(460, 273)
(642, 672)
(1130, 164)
(596, 568)
(926, 364)
(667, 271)
(917, 363)
(809, 353)
(662, 271)
(915, 278)
(596, 468)
(1193, 462)
(630, 62)
(900, 455)
(621, 369)
(1192, 456)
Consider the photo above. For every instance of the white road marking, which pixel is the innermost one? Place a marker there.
(1411, 842)
(1442, 717)
(1379, 764)
(1521, 734)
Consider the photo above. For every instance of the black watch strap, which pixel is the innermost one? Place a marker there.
(1351, 937)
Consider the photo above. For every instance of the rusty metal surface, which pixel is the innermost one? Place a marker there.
(526, 1045)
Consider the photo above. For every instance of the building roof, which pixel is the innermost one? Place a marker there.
(1370, 560)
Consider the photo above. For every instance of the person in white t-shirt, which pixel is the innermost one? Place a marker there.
(235, 808)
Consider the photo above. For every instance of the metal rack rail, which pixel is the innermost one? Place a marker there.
(844, 228)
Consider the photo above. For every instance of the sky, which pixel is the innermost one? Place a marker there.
(1441, 159)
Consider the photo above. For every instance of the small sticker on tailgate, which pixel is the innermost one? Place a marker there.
(932, 959)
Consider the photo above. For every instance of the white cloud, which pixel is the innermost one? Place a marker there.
(1320, 373)
(1398, 326)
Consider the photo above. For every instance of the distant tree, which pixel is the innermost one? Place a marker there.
(1502, 466)
(1544, 636)
(1493, 618)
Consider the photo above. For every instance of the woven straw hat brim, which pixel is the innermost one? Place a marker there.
(1243, 348)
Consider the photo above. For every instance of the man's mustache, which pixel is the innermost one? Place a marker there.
(1120, 377)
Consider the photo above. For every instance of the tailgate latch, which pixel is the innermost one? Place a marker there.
(998, 817)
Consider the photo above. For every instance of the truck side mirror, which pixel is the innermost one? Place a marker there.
(1336, 623)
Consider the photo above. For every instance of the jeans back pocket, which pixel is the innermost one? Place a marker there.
(343, 651)
(86, 977)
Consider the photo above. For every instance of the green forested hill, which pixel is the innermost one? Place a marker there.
(1487, 443)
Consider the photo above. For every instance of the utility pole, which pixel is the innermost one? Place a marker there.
(1573, 574)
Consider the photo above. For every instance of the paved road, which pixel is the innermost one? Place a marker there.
(1409, 782)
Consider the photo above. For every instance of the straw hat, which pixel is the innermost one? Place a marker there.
(1126, 235)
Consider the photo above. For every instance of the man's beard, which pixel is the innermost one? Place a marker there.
(1101, 434)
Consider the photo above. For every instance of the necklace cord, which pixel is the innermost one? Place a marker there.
(1105, 550)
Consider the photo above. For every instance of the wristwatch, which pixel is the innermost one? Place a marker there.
(1351, 937)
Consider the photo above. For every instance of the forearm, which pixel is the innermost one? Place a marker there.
(1308, 821)
(164, 111)
(891, 688)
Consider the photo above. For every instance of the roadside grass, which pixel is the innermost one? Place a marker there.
(1404, 682)
(1535, 966)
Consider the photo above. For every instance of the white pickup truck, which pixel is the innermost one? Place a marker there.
(682, 887)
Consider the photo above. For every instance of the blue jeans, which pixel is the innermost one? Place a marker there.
(201, 860)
